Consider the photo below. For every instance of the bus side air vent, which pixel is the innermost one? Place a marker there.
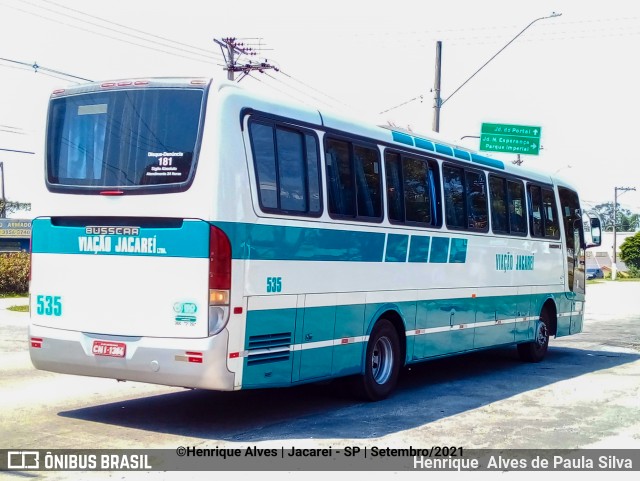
(267, 357)
(269, 348)
(269, 341)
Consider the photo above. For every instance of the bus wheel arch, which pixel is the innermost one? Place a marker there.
(535, 350)
(552, 311)
(383, 359)
(395, 318)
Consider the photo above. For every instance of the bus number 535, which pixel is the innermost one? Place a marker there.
(48, 305)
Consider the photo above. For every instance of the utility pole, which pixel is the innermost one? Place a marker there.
(614, 268)
(437, 101)
(230, 48)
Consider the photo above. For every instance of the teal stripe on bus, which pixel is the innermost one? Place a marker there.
(397, 245)
(419, 250)
(274, 242)
(444, 149)
(294, 345)
(189, 240)
(402, 138)
(439, 250)
(480, 159)
(424, 144)
(251, 241)
(461, 154)
(458, 252)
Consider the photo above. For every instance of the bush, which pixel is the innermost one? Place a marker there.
(14, 273)
(630, 251)
(634, 272)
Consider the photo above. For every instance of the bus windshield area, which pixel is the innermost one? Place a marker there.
(124, 139)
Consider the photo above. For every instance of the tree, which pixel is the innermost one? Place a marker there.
(630, 251)
(626, 220)
(630, 223)
(10, 206)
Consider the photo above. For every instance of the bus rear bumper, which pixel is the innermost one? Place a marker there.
(191, 363)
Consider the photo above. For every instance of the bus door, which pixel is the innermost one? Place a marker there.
(575, 280)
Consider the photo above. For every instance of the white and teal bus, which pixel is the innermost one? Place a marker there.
(203, 236)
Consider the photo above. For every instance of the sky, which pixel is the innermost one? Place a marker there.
(573, 75)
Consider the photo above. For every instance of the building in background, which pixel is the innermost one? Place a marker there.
(602, 257)
(15, 235)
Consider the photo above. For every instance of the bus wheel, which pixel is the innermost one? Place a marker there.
(382, 362)
(535, 350)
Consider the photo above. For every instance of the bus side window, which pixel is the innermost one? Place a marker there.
(535, 207)
(416, 190)
(339, 177)
(354, 178)
(286, 168)
(368, 182)
(550, 211)
(454, 202)
(395, 192)
(517, 211)
(476, 190)
(498, 195)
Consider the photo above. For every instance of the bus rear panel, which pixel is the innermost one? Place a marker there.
(142, 295)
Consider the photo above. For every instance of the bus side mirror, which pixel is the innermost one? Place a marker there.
(592, 230)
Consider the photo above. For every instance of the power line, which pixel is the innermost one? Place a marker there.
(403, 103)
(312, 88)
(235, 67)
(208, 52)
(113, 37)
(18, 151)
(45, 70)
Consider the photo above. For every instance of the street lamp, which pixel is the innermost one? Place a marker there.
(562, 168)
(614, 268)
(437, 101)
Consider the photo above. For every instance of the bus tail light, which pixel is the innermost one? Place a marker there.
(219, 280)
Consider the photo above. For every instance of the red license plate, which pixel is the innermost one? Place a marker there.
(107, 348)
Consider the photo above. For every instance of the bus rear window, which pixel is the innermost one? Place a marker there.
(133, 140)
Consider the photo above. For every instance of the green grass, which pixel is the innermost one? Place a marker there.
(10, 295)
(18, 308)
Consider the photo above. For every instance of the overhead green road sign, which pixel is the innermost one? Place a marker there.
(510, 139)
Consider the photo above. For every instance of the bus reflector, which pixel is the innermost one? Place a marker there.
(234, 355)
(36, 342)
(237, 310)
(111, 192)
(108, 84)
(195, 357)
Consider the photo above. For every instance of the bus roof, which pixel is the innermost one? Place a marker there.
(428, 143)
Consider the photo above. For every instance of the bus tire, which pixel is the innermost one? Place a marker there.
(382, 363)
(535, 350)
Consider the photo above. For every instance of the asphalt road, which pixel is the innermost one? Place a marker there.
(585, 394)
